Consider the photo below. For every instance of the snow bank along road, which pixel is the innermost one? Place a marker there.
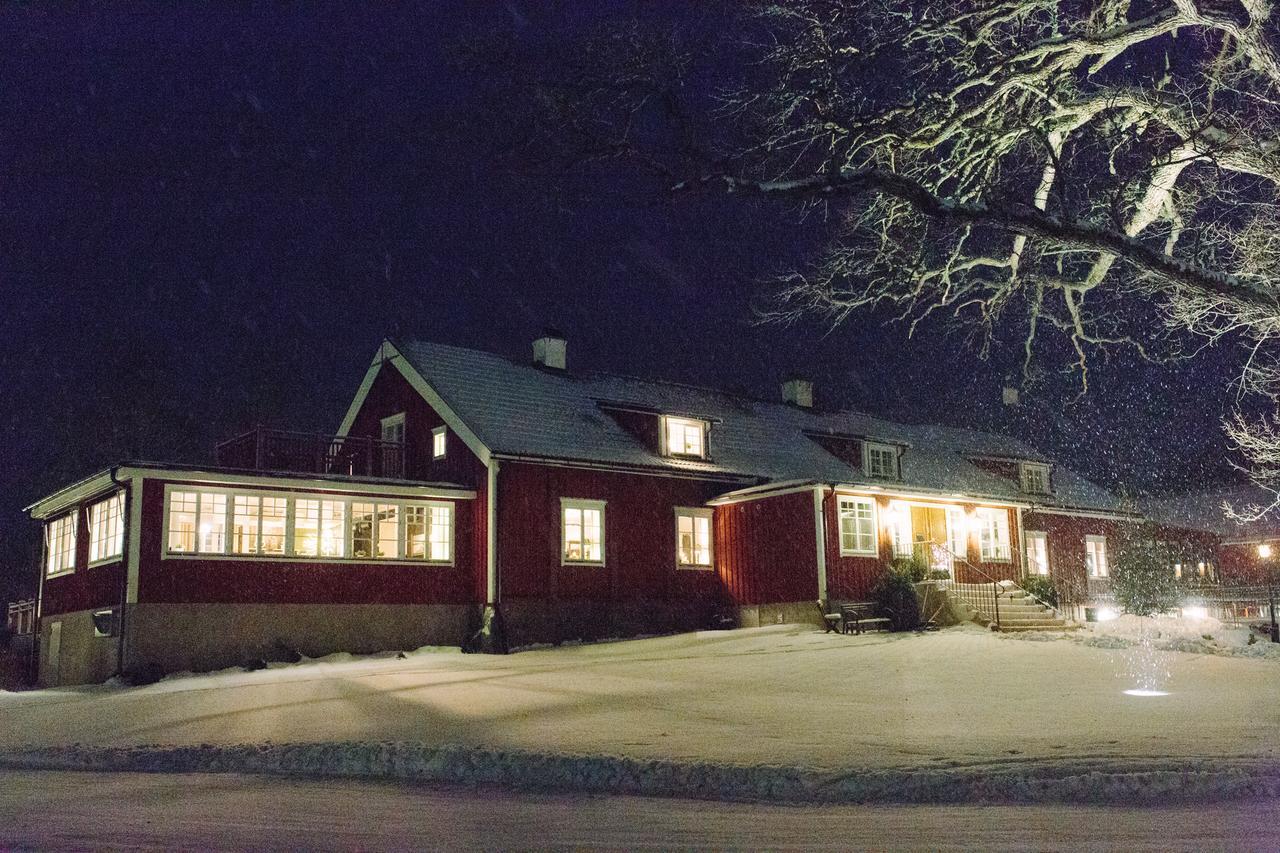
(43, 810)
(784, 713)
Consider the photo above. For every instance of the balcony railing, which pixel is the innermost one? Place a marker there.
(265, 449)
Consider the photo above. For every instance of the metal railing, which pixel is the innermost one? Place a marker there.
(264, 449)
(984, 596)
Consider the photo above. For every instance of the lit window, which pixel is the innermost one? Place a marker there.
(362, 530)
(438, 442)
(106, 528)
(60, 544)
(897, 522)
(858, 526)
(693, 537)
(333, 528)
(1035, 478)
(213, 523)
(429, 533)
(182, 521)
(993, 533)
(1095, 556)
(685, 437)
(415, 522)
(441, 534)
(306, 528)
(386, 543)
(1177, 570)
(582, 525)
(1037, 553)
(245, 518)
(880, 460)
(274, 517)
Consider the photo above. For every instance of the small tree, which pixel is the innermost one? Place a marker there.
(1142, 577)
(895, 593)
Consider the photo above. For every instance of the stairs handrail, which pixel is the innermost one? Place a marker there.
(956, 557)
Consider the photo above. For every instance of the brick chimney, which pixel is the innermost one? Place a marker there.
(549, 350)
(798, 392)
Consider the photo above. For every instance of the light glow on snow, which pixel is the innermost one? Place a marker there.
(1140, 691)
(1107, 614)
(1264, 550)
(1195, 612)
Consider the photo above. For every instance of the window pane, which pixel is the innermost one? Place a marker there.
(362, 530)
(387, 544)
(702, 528)
(244, 531)
(306, 528)
(274, 516)
(106, 528)
(415, 519)
(438, 443)
(333, 528)
(591, 533)
(441, 532)
(182, 522)
(61, 535)
(213, 523)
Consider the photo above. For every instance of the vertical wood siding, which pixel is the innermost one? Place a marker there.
(766, 549)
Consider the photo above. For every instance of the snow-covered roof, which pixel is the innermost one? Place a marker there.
(1207, 511)
(523, 410)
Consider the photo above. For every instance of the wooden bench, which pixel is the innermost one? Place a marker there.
(854, 618)
(860, 617)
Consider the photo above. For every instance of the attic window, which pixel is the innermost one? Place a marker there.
(684, 437)
(880, 460)
(1035, 478)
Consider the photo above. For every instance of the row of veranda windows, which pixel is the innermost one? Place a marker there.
(106, 535)
(858, 537)
(246, 524)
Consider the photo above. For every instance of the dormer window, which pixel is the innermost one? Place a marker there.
(1035, 478)
(684, 437)
(880, 460)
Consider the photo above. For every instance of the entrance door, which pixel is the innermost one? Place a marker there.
(931, 544)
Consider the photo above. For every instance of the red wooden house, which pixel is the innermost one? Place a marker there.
(469, 498)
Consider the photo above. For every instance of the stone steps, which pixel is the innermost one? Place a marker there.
(1019, 611)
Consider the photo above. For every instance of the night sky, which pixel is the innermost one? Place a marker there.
(212, 213)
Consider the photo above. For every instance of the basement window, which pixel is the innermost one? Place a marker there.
(106, 623)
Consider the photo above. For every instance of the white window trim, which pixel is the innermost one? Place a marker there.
(695, 512)
(74, 515)
(1024, 468)
(666, 449)
(391, 420)
(841, 500)
(867, 447)
(288, 556)
(440, 431)
(1028, 536)
(987, 516)
(111, 558)
(1106, 558)
(583, 503)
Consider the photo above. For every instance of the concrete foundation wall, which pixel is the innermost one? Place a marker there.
(82, 658)
(536, 620)
(781, 613)
(165, 638)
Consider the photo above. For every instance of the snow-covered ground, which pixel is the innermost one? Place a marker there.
(774, 713)
(1206, 636)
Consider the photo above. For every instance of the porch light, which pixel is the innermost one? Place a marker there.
(1264, 550)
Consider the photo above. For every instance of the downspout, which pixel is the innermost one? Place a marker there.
(125, 510)
(494, 628)
(38, 628)
(820, 535)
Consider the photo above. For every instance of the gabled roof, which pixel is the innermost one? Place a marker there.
(516, 409)
(1206, 511)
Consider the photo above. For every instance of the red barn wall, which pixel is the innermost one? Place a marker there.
(766, 549)
(212, 579)
(639, 534)
(1065, 536)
